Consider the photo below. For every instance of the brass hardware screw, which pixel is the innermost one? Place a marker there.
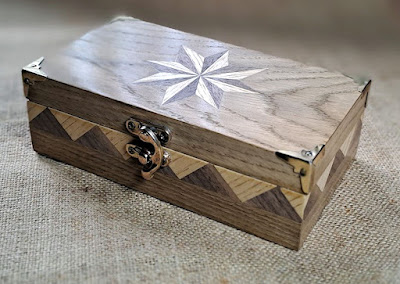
(308, 153)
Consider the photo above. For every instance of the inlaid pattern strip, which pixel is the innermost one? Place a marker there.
(238, 187)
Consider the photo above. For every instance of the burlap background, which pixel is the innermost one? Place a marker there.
(61, 224)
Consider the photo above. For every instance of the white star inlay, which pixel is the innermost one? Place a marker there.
(192, 74)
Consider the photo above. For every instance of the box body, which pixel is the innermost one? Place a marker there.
(223, 164)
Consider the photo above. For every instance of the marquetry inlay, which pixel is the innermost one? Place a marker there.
(297, 200)
(205, 77)
(243, 186)
(239, 187)
(34, 110)
(75, 127)
(183, 165)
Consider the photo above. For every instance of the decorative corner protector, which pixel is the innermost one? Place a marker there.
(303, 163)
(365, 91)
(32, 73)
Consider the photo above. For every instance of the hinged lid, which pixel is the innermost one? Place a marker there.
(224, 104)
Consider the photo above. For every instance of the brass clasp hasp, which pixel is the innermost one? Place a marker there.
(148, 148)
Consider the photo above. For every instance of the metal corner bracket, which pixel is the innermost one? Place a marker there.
(303, 163)
(32, 73)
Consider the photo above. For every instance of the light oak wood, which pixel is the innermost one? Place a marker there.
(244, 186)
(325, 175)
(34, 110)
(292, 106)
(183, 165)
(74, 126)
(297, 200)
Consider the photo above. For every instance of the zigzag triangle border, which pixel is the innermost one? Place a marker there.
(238, 187)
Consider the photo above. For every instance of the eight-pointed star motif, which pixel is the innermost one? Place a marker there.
(192, 74)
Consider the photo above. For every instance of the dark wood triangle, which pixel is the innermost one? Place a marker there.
(46, 121)
(274, 201)
(209, 178)
(97, 140)
(167, 171)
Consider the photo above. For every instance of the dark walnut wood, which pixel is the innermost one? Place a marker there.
(285, 105)
(260, 208)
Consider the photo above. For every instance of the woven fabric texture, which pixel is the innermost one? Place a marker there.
(62, 224)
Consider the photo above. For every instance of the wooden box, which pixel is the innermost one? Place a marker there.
(248, 139)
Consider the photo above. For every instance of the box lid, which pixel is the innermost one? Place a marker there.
(225, 104)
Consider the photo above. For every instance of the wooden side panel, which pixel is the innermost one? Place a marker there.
(250, 160)
(320, 197)
(340, 139)
(240, 188)
(199, 191)
(93, 148)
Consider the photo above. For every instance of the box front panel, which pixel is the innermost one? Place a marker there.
(258, 207)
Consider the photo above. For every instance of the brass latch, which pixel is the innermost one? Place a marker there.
(148, 148)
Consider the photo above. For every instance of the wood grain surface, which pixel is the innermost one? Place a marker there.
(65, 137)
(205, 202)
(292, 107)
(318, 200)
